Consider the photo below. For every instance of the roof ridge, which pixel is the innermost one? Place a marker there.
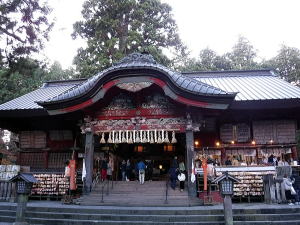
(51, 82)
(232, 73)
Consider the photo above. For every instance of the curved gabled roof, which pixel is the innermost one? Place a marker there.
(141, 61)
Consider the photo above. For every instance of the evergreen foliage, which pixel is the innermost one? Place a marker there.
(115, 28)
(24, 26)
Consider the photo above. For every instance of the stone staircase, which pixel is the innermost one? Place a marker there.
(58, 214)
(151, 193)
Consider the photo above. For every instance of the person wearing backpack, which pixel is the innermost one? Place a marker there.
(181, 178)
(141, 168)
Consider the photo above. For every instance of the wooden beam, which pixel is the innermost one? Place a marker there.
(189, 159)
(89, 159)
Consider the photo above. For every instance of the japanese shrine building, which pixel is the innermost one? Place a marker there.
(139, 108)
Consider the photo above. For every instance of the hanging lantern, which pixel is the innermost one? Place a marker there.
(173, 141)
(102, 141)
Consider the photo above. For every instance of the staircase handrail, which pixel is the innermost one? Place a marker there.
(167, 190)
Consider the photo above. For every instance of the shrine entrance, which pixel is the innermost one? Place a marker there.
(140, 103)
(139, 125)
(158, 157)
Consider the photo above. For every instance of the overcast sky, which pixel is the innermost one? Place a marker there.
(202, 23)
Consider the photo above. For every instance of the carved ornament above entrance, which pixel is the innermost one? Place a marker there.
(134, 86)
(125, 106)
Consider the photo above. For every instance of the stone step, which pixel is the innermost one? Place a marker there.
(154, 191)
(75, 215)
(65, 221)
(38, 221)
(272, 222)
(119, 210)
(124, 194)
(117, 217)
(153, 210)
(133, 194)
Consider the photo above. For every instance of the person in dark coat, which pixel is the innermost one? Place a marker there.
(149, 169)
(271, 159)
(123, 170)
(104, 170)
(296, 184)
(228, 162)
(173, 177)
(175, 163)
(128, 170)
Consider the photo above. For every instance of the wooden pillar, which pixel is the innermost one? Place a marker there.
(89, 159)
(189, 160)
(294, 153)
(223, 156)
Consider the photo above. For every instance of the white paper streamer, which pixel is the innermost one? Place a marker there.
(173, 141)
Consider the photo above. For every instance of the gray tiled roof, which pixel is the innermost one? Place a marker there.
(250, 85)
(28, 177)
(48, 90)
(142, 61)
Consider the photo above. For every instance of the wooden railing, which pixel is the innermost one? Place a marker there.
(7, 191)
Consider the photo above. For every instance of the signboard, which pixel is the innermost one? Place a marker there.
(238, 132)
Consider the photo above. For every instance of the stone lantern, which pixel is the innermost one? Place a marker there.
(24, 182)
(226, 182)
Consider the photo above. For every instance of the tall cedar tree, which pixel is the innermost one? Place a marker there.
(24, 27)
(115, 28)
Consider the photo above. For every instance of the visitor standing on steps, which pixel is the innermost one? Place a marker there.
(67, 174)
(149, 170)
(104, 170)
(128, 170)
(181, 178)
(109, 170)
(296, 178)
(175, 163)
(141, 168)
(173, 176)
(181, 166)
(123, 170)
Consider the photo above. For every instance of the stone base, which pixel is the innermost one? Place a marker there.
(20, 223)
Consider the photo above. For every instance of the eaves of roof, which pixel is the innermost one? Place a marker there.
(251, 85)
(185, 83)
